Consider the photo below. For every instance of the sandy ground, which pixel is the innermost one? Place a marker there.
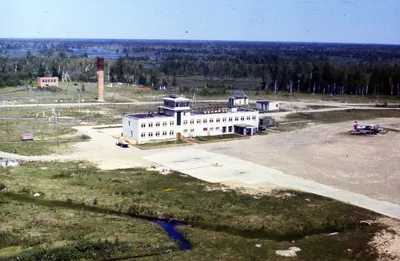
(387, 242)
(326, 154)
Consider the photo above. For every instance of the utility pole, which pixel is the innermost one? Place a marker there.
(291, 95)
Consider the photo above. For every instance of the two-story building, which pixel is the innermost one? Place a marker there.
(175, 120)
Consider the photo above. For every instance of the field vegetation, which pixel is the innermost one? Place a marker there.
(90, 214)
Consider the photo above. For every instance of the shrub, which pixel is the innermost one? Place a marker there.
(2, 186)
(85, 137)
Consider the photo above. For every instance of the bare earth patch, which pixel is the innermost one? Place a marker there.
(387, 242)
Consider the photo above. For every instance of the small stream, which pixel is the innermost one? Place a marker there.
(169, 227)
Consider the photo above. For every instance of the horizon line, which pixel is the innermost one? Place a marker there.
(195, 40)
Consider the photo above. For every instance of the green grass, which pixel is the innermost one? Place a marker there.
(224, 224)
(343, 115)
(217, 137)
(161, 144)
(46, 136)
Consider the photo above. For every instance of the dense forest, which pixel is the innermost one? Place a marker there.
(274, 67)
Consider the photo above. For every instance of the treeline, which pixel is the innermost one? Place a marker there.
(279, 71)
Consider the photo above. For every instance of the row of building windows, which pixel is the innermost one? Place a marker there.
(211, 120)
(198, 121)
(157, 134)
(49, 80)
(157, 124)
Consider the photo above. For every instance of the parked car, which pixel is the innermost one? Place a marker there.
(122, 143)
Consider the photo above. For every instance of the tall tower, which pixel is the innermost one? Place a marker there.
(100, 79)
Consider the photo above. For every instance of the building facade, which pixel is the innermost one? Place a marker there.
(175, 120)
(267, 106)
(47, 81)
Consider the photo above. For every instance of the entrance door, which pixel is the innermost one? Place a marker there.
(178, 135)
(223, 129)
(178, 119)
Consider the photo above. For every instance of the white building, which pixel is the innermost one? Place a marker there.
(267, 106)
(238, 101)
(175, 119)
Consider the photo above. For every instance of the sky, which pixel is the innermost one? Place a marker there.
(345, 21)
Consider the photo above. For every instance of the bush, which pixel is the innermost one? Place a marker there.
(2, 186)
(85, 137)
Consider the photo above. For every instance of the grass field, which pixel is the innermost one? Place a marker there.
(129, 93)
(47, 136)
(217, 137)
(170, 143)
(222, 224)
(343, 115)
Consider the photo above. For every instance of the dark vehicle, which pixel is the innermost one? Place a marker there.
(122, 143)
(368, 129)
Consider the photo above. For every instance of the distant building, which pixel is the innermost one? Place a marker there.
(143, 89)
(47, 81)
(267, 106)
(175, 120)
(238, 101)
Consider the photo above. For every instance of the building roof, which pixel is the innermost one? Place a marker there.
(240, 97)
(245, 125)
(263, 102)
(146, 115)
(220, 111)
(176, 98)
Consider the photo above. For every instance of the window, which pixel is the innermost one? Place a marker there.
(211, 120)
(230, 129)
(236, 118)
(204, 120)
(230, 118)
(191, 121)
(223, 119)
(150, 134)
(171, 123)
(143, 125)
(218, 120)
(242, 118)
(157, 133)
(150, 124)
(171, 133)
(129, 123)
(277, 105)
(185, 131)
(164, 123)
(143, 135)
(217, 128)
(253, 117)
(157, 124)
(164, 133)
(131, 133)
(198, 121)
(192, 130)
(211, 129)
(248, 118)
(185, 122)
(205, 129)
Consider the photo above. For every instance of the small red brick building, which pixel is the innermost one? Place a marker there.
(47, 81)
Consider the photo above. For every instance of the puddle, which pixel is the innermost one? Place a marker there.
(169, 227)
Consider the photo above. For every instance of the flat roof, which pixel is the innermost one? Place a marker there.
(245, 125)
(176, 98)
(223, 110)
(146, 115)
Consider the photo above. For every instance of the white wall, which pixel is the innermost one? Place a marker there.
(215, 128)
(189, 128)
(273, 106)
(137, 129)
